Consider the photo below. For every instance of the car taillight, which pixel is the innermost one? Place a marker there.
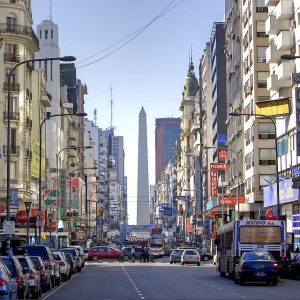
(42, 272)
(244, 266)
(19, 280)
(31, 275)
(3, 281)
(276, 266)
(61, 263)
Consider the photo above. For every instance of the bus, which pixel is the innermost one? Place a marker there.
(156, 245)
(237, 237)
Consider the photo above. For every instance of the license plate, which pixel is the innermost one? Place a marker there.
(260, 274)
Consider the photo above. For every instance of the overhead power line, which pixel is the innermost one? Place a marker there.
(130, 37)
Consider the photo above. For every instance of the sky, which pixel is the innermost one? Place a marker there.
(149, 71)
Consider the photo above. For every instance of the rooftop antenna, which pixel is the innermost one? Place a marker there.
(95, 117)
(50, 10)
(111, 108)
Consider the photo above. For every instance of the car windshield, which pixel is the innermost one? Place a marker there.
(34, 251)
(36, 262)
(190, 252)
(56, 256)
(24, 265)
(86, 250)
(258, 256)
(177, 251)
(10, 265)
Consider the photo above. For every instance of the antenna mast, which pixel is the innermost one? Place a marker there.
(50, 10)
(111, 108)
(95, 117)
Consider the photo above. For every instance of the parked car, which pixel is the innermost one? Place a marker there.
(104, 252)
(75, 254)
(40, 266)
(175, 256)
(72, 261)
(44, 252)
(64, 265)
(256, 266)
(8, 286)
(86, 253)
(80, 252)
(190, 256)
(32, 275)
(16, 270)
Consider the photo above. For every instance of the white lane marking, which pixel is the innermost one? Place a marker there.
(132, 282)
(57, 289)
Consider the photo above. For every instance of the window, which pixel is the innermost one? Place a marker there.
(13, 170)
(12, 77)
(249, 160)
(46, 34)
(260, 29)
(267, 156)
(292, 144)
(266, 130)
(265, 180)
(262, 79)
(261, 54)
(10, 48)
(283, 145)
(248, 185)
(11, 23)
(40, 34)
(13, 104)
(51, 34)
(250, 33)
(260, 6)
(46, 69)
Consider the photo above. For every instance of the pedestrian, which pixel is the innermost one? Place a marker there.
(146, 255)
(142, 254)
(133, 253)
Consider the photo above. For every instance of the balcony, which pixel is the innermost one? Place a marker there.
(273, 26)
(285, 40)
(14, 116)
(14, 150)
(46, 98)
(272, 55)
(271, 2)
(284, 9)
(11, 57)
(285, 69)
(14, 87)
(19, 30)
(274, 84)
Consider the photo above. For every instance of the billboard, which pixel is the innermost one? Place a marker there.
(35, 149)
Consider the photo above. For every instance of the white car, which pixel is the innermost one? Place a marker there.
(63, 265)
(190, 256)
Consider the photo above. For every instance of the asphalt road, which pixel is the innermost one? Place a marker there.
(161, 281)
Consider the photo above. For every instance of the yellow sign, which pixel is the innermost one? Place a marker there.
(278, 107)
(35, 148)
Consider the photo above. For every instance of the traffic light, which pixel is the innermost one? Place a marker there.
(181, 210)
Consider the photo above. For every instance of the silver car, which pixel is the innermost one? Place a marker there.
(63, 264)
(190, 256)
(175, 256)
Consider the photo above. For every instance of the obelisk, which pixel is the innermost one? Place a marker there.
(143, 211)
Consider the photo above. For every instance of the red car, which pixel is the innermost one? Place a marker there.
(103, 252)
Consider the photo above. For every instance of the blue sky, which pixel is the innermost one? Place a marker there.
(149, 71)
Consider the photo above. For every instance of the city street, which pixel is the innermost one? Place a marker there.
(159, 280)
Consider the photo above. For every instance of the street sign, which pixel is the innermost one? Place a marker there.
(218, 166)
(9, 227)
(40, 217)
(51, 197)
(21, 217)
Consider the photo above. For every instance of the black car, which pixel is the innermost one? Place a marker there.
(294, 266)
(44, 252)
(256, 266)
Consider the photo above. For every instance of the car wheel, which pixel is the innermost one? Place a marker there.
(21, 294)
(198, 264)
(125, 258)
(95, 258)
(171, 262)
(182, 263)
(49, 287)
(241, 281)
(274, 282)
(236, 280)
(222, 274)
(205, 258)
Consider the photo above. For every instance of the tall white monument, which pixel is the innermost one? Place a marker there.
(143, 211)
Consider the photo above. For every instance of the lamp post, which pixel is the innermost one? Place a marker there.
(40, 158)
(66, 59)
(50, 218)
(27, 208)
(89, 215)
(57, 159)
(276, 150)
(238, 170)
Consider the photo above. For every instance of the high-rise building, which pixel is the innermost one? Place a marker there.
(167, 131)
(143, 212)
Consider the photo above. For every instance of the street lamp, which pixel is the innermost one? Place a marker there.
(238, 180)
(289, 56)
(27, 208)
(65, 59)
(276, 150)
(40, 158)
(50, 218)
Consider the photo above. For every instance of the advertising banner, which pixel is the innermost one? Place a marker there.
(35, 149)
(213, 184)
(62, 193)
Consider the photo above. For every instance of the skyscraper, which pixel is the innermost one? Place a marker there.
(143, 212)
(167, 131)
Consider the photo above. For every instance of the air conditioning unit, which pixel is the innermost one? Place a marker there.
(261, 60)
(293, 24)
(264, 135)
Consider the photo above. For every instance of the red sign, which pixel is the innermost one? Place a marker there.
(214, 184)
(269, 214)
(21, 217)
(218, 166)
(222, 154)
(231, 200)
(1, 208)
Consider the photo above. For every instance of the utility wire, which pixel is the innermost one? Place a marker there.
(133, 35)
